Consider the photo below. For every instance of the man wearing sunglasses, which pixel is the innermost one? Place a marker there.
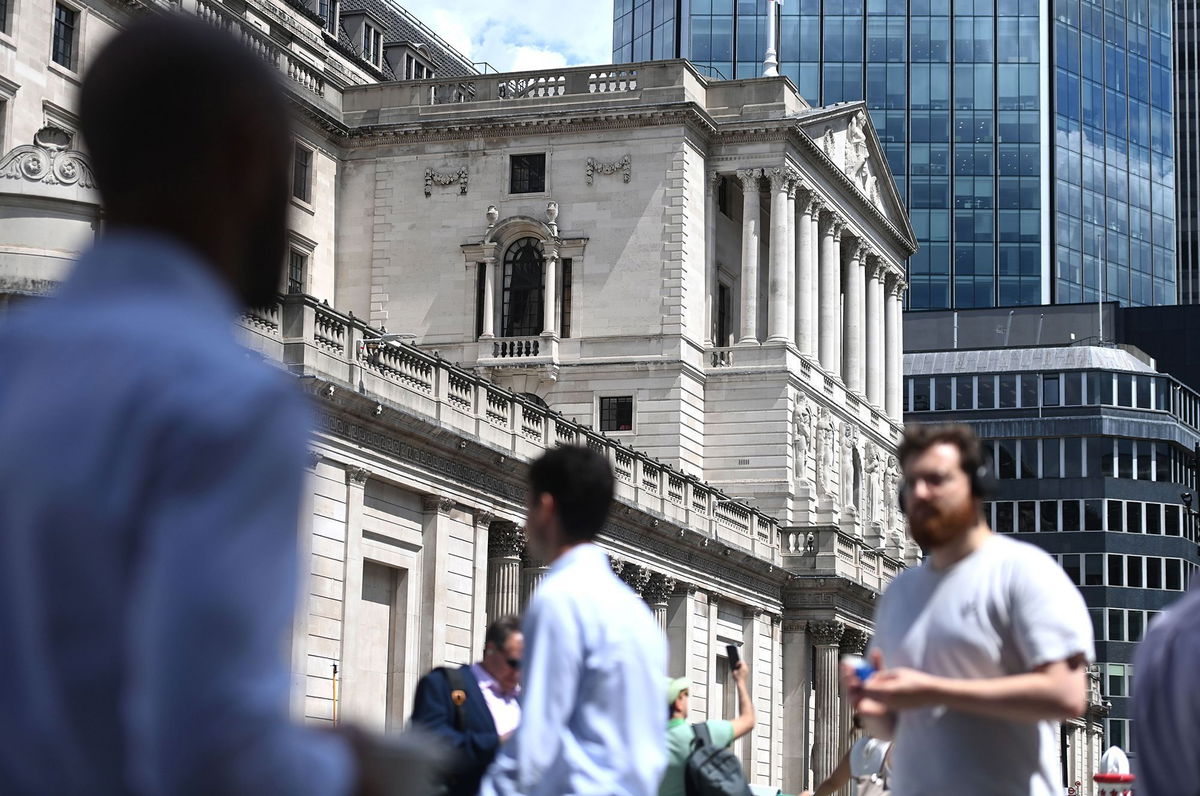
(474, 708)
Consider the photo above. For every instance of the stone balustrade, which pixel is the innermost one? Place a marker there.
(830, 552)
(314, 340)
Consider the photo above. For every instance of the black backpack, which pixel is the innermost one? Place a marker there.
(710, 771)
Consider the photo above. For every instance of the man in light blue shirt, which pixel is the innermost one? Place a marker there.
(592, 720)
(151, 470)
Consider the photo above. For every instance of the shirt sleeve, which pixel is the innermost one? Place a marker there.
(550, 676)
(721, 732)
(212, 606)
(1049, 617)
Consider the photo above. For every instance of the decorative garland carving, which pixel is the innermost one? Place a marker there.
(47, 160)
(596, 167)
(436, 178)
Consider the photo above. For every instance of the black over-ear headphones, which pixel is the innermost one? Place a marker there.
(983, 484)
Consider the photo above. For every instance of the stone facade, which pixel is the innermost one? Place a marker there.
(721, 257)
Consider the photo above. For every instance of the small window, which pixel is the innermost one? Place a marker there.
(1050, 392)
(66, 32)
(302, 173)
(723, 197)
(964, 392)
(527, 173)
(328, 11)
(987, 392)
(724, 315)
(297, 267)
(372, 44)
(616, 413)
(480, 280)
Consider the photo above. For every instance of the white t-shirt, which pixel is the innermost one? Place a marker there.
(1005, 609)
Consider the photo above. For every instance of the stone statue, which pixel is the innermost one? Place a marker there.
(891, 495)
(827, 443)
(827, 143)
(802, 429)
(873, 482)
(850, 497)
(856, 144)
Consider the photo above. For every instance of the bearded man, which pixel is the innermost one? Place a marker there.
(980, 649)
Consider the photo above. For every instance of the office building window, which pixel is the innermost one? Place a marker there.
(616, 413)
(527, 173)
(66, 32)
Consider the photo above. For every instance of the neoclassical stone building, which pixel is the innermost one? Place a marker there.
(700, 279)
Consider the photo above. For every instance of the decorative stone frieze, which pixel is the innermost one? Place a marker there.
(433, 178)
(622, 165)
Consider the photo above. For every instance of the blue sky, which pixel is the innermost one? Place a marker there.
(529, 34)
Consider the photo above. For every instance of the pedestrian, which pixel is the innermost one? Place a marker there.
(474, 708)
(979, 650)
(151, 478)
(591, 711)
(1166, 703)
(864, 766)
(681, 735)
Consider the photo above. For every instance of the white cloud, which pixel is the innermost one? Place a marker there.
(522, 34)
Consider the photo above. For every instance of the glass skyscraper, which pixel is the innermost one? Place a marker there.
(1032, 141)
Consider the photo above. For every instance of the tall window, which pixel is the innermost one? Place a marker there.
(724, 316)
(527, 173)
(564, 321)
(66, 24)
(302, 173)
(372, 44)
(523, 287)
(297, 263)
(4, 5)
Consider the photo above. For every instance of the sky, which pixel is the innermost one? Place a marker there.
(515, 35)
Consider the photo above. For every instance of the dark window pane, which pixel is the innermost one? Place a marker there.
(1071, 567)
(1116, 515)
(65, 21)
(528, 173)
(1027, 516)
(1093, 569)
(1171, 527)
(1154, 518)
(1133, 571)
(564, 322)
(1072, 389)
(1051, 448)
(964, 393)
(1124, 458)
(1136, 625)
(1049, 516)
(1124, 389)
(1145, 458)
(1006, 463)
(1029, 458)
(1133, 517)
(1004, 516)
(941, 391)
(1116, 570)
(1174, 578)
(1029, 389)
(1008, 392)
(302, 173)
(1050, 391)
(523, 284)
(1071, 517)
(616, 414)
(920, 394)
(1116, 625)
(295, 282)
(987, 392)
(1073, 457)
(1154, 572)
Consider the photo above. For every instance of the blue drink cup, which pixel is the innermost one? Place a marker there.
(861, 666)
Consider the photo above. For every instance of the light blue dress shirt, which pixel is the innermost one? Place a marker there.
(593, 706)
(149, 491)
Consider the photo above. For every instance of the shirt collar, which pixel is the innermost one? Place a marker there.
(586, 553)
(486, 680)
(128, 260)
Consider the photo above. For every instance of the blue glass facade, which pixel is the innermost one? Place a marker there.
(972, 120)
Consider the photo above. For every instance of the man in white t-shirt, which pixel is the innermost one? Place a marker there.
(980, 650)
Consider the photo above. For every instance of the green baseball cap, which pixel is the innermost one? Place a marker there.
(675, 687)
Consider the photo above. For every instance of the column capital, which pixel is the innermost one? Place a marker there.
(807, 200)
(506, 540)
(314, 459)
(357, 475)
(793, 189)
(780, 178)
(749, 178)
(859, 250)
(489, 252)
(876, 268)
(826, 632)
(896, 284)
(836, 228)
(635, 577)
(752, 612)
(658, 589)
(714, 178)
(483, 517)
(438, 503)
(854, 640)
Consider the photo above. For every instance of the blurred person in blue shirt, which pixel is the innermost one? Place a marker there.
(151, 477)
(592, 722)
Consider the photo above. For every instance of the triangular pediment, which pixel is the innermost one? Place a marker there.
(846, 136)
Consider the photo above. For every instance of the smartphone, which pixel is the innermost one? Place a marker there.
(731, 651)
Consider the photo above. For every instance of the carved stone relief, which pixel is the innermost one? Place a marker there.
(622, 165)
(802, 438)
(827, 444)
(433, 178)
(48, 160)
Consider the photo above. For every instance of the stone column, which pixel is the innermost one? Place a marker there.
(489, 292)
(852, 331)
(815, 253)
(854, 642)
(829, 331)
(550, 295)
(806, 273)
(657, 594)
(790, 264)
(777, 319)
(710, 257)
(874, 313)
(751, 219)
(435, 555)
(827, 636)
(796, 679)
(894, 355)
(532, 573)
(506, 542)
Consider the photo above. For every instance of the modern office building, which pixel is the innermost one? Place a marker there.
(1094, 448)
(1031, 141)
(1187, 147)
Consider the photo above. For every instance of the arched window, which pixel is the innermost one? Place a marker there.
(523, 289)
